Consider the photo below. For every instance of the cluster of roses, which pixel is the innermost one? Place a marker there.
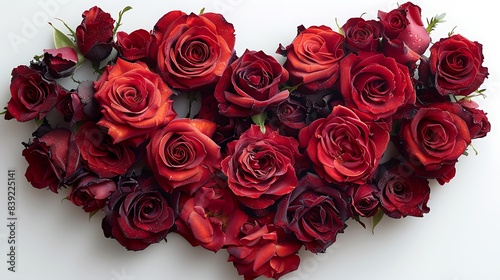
(279, 156)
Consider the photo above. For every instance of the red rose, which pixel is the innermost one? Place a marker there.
(60, 62)
(250, 85)
(434, 139)
(362, 35)
(315, 212)
(479, 126)
(182, 154)
(31, 96)
(375, 84)
(263, 250)
(134, 101)
(133, 46)
(91, 192)
(208, 216)
(401, 192)
(192, 51)
(364, 200)
(94, 36)
(137, 214)
(457, 65)
(313, 57)
(403, 27)
(260, 167)
(53, 160)
(99, 153)
(343, 147)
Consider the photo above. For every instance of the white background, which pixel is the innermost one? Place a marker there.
(459, 239)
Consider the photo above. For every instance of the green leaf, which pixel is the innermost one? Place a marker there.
(377, 218)
(260, 120)
(38, 122)
(61, 40)
(120, 15)
(202, 10)
(433, 22)
(92, 214)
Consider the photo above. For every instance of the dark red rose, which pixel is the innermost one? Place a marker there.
(260, 166)
(315, 212)
(134, 101)
(403, 27)
(86, 92)
(100, 154)
(433, 140)
(263, 250)
(250, 85)
(402, 193)
(192, 51)
(313, 57)
(133, 46)
(479, 125)
(375, 84)
(60, 62)
(91, 192)
(94, 36)
(137, 214)
(362, 35)
(70, 106)
(182, 154)
(343, 147)
(364, 200)
(457, 65)
(206, 217)
(32, 97)
(53, 160)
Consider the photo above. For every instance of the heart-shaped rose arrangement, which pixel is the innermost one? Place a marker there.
(278, 157)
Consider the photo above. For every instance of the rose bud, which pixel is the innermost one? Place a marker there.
(91, 192)
(402, 193)
(60, 62)
(192, 51)
(479, 125)
(99, 153)
(94, 36)
(260, 167)
(264, 250)
(375, 84)
(313, 57)
(182, 154)
(53, 160)
(137, 214)
(362, 35)
(70, 106)
(457, 65)
(133, 100)
(364, 200)
(345, 147)
(133, 46)
(315, 212)
(32, 97)
(250, 85)
(85, 92)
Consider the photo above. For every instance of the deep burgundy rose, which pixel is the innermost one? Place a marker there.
(313, 57)
(32, 97)
(192, 51)
(364, 200)
(182, 154)
(60, 62)
(260, 166)
(403, 26)
(457, 65)
(375, 84)
(94, 35)
(433, 140)
(315, 212)
(137, 214)
(362, 35)
(479, 125)
(134, 101)
(343, 147)
(70, 106)
(100, 154)
(250, 85)
(91, 192)
(263, 250)
(133, 46)
(53, 160)
(402, 193)
(206, 217)
(85, 92)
